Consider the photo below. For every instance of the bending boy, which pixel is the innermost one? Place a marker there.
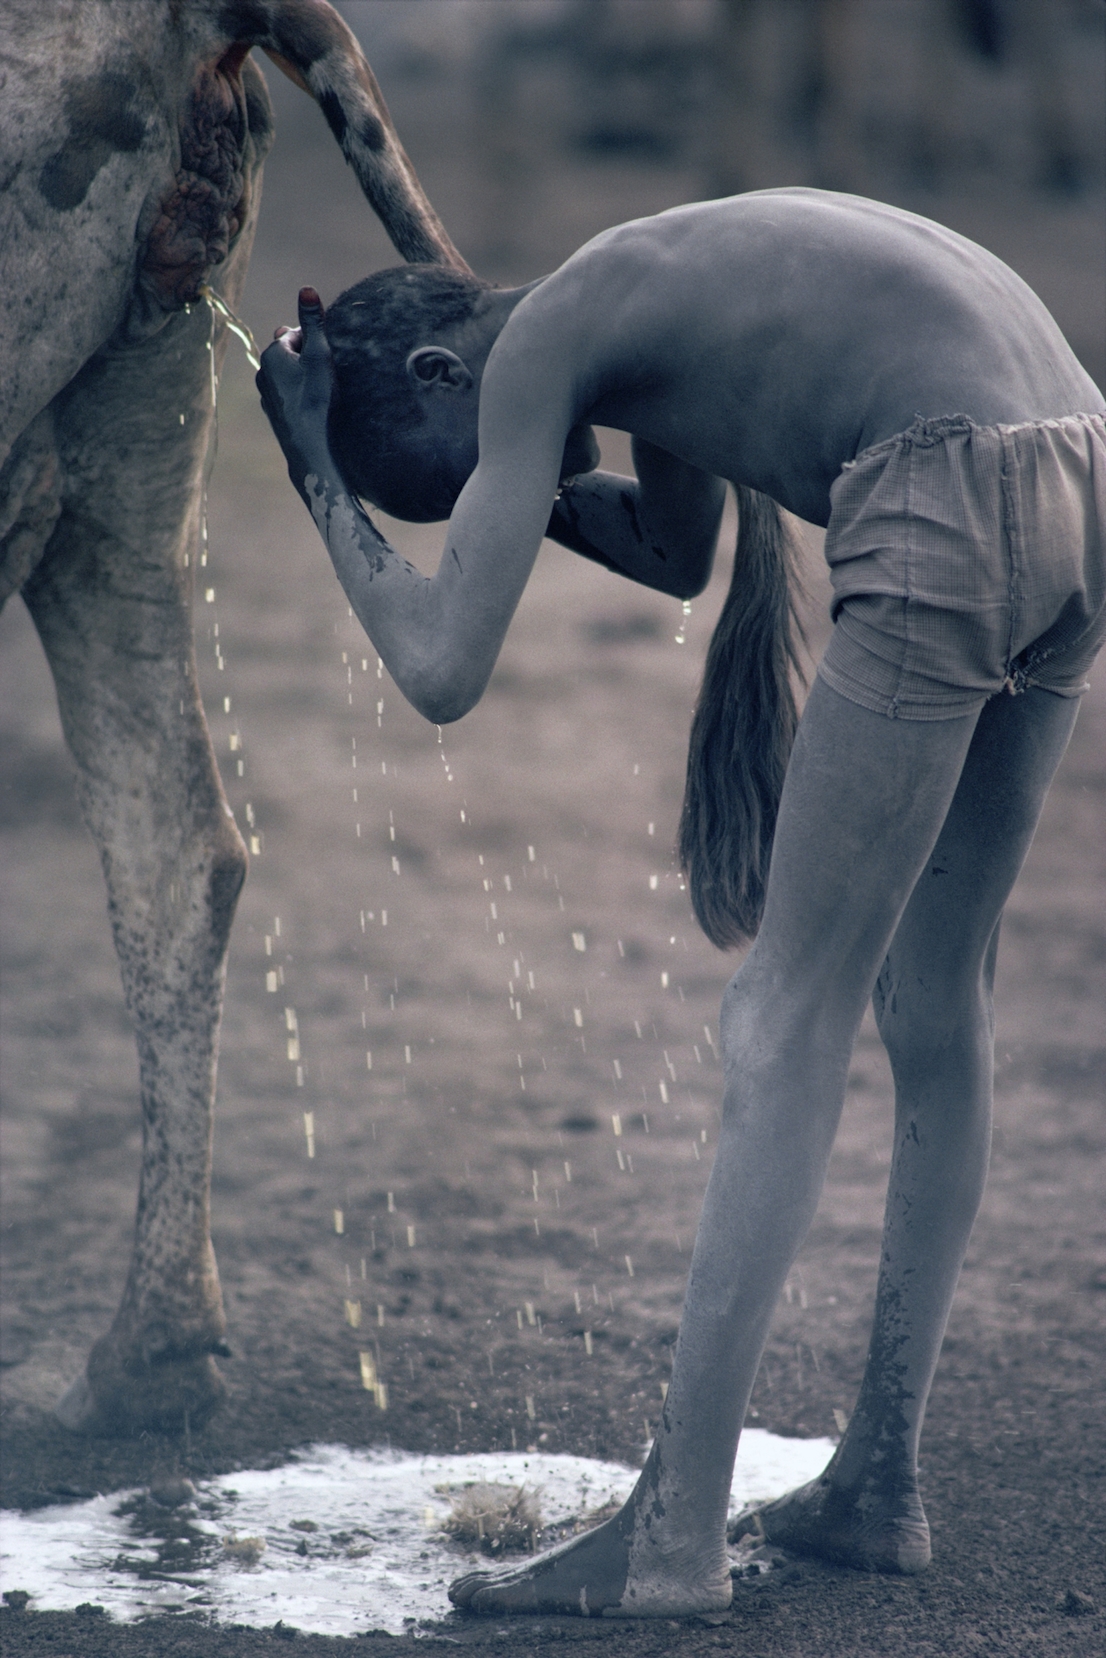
(874, 373)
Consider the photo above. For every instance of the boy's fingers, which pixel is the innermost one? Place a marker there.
(314, 351)
(311, 309)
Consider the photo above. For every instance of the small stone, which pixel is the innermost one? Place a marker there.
(1074, 1602)
(16, 1599)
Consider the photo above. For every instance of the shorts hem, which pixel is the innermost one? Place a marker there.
(1057, 690)
(900, 708)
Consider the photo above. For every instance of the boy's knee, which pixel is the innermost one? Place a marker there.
(919, 1024)
(765, 1023)
(739, 1014)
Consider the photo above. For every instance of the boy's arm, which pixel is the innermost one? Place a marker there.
(439, 636)
(659, 529)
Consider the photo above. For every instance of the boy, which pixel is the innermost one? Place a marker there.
(879, 375)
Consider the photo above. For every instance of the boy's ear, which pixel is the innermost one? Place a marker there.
(435, 367)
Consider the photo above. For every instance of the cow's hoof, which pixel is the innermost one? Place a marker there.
(173, 1396)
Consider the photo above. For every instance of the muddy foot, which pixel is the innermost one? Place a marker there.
(114, 1396)
(872, 1533)
(603, 1573)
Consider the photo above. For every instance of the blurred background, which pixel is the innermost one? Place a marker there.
(536, 123)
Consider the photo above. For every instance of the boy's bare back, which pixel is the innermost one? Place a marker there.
(769, 337)
(766, 339)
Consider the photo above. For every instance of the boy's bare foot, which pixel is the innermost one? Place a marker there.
(619, 1570)
(867, 1530)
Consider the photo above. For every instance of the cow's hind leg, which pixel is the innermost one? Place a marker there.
(111, 600)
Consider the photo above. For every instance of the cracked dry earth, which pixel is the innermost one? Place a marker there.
(478, 1263)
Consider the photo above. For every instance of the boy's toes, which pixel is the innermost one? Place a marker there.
(495, 1592)
(462, 1589)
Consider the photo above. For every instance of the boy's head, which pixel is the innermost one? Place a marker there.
(404, 451)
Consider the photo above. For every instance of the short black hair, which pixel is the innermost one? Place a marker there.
(371, 329)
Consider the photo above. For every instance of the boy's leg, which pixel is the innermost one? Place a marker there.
(862, 808)
(933, 1006)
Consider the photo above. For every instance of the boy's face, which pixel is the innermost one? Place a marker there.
(435, 460)
(427, 467)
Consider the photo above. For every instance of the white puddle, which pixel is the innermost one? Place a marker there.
(353, 1539)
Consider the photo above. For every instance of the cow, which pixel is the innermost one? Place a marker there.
(132, 137)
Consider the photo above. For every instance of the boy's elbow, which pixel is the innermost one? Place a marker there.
(692, 586)
(444, 709)
(692, 576)
(442, 698)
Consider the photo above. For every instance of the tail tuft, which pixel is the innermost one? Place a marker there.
(742, 732)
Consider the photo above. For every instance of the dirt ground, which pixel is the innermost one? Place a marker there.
(494, 915)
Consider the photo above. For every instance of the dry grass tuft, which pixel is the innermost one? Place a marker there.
(247, 1551)
(499, 1519)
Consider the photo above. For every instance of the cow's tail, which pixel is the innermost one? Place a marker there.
(316, 48)
(743, 729)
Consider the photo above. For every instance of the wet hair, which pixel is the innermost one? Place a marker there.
(743, 729)
(371, 330)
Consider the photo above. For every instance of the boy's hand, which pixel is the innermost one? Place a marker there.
(295, 383)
